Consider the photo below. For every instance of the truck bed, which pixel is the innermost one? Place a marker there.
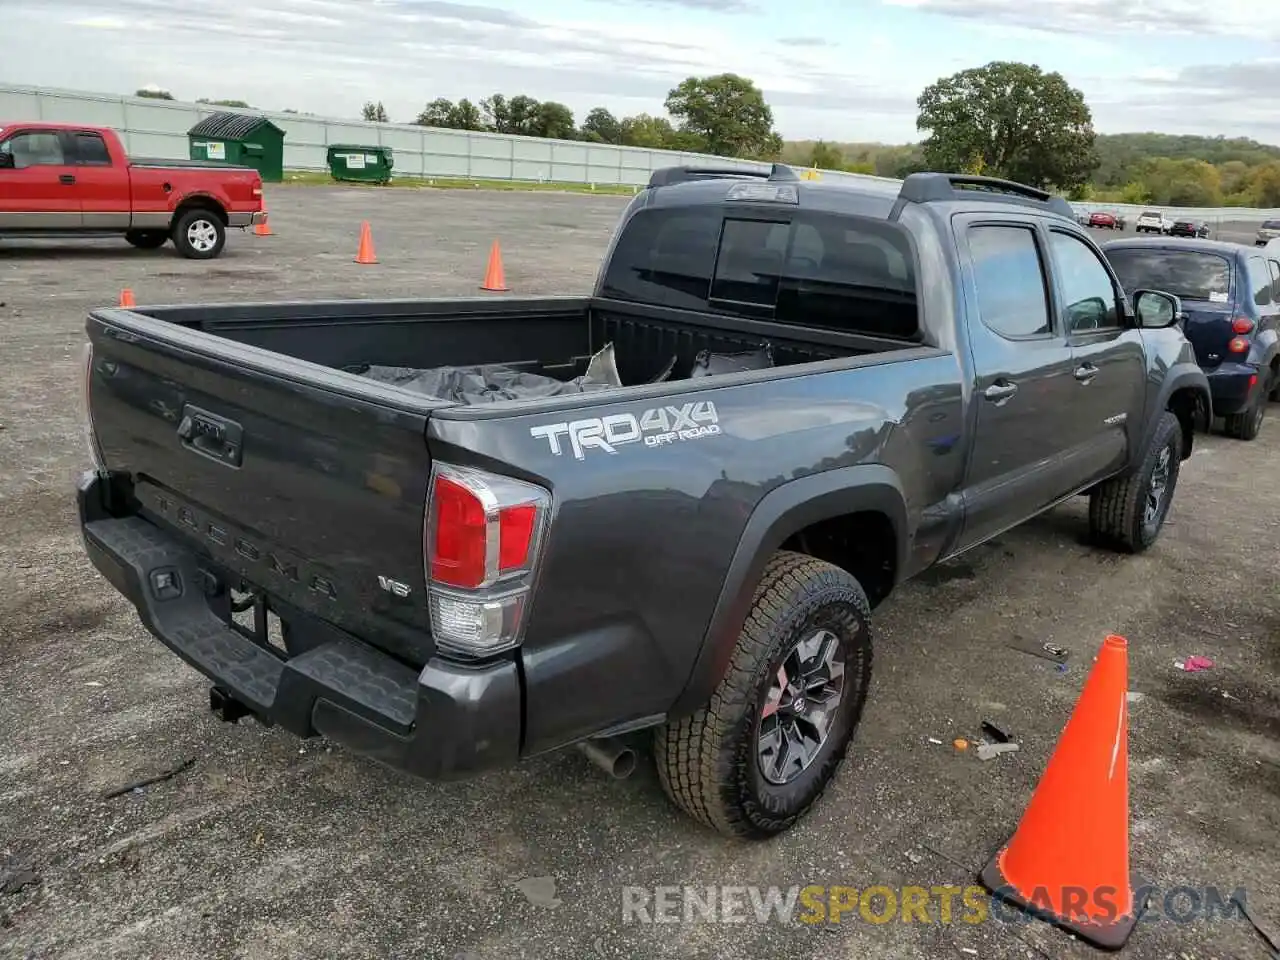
(547, 336)
(242, 428)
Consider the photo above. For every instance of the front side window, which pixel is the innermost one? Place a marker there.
(1088, 295)
(34, 149)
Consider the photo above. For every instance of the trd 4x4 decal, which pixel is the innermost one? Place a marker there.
(656, 427)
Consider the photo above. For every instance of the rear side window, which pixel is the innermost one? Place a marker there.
(91, 150)
(1259, 282)
(1271, 224)
(838, 272)
(1191, 275)
(1009, 277)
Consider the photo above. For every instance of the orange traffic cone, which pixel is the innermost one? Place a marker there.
(263, 229)
(495, 278)
(1068, 861)
(126, 298)
(365, 254)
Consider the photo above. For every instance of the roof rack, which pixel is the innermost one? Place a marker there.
(666, 176)
(933, 187)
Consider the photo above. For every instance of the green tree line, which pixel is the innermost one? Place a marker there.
(724, 114)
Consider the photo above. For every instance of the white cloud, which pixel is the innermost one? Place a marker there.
(329, 56)
(1253, 19)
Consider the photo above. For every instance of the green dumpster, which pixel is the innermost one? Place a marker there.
(366, 164)
(240, 138)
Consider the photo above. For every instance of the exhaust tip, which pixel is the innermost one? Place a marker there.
(610, 755)
(624, 764)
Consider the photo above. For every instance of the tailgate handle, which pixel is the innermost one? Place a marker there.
(211, 436)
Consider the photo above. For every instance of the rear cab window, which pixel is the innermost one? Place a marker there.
(91, 149)
(1188, 274)
(839, 272)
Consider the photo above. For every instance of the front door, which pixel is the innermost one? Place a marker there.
(37, 182)
(1020, 457)
(1110, 362)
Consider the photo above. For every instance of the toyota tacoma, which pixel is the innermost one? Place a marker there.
(451, 534)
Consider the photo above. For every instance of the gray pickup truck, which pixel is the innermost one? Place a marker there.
(454, 533)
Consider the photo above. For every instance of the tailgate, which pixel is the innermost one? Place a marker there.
(307, 483)
(1208, 327)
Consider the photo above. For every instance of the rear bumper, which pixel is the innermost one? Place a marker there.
(1230, 387)
(444, 722)
(246, 219)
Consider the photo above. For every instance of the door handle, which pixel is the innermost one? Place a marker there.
(1085, 372)
(67, 178)
(1000, 391)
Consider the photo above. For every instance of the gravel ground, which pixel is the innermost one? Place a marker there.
(269, 847)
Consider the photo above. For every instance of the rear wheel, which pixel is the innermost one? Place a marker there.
(759, 755)
(199, 234)
(1247, 424)
(146, 239)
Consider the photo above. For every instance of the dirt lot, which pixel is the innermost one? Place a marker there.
(268, 847)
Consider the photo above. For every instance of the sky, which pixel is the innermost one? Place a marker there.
(847, 70)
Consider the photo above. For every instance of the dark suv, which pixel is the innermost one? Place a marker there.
(1231, 299)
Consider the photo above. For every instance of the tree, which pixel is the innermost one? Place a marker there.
(225, 103)
(1185, 183)
(602, 127)
(727, 113)
(465, 115)
(440, 112)
(435, 114)
(553, 120)
(374, 112)
(645, 131)
(153, 93)
(825, 156)
(1011, 119)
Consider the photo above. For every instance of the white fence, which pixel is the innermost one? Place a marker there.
(158, 129)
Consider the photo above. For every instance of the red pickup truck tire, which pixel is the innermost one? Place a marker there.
(199, 234)
(147, 239)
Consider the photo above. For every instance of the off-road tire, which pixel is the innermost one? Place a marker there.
(708, 762)
(1247, 424)
(182, 239)
(147, 239)
(1117, 507)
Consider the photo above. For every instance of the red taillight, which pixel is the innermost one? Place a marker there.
(1238, 345)
(515, 536)
(461, 533)
(481, 544)
(1241, 325)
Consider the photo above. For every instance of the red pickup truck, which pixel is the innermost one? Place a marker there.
(59, 179)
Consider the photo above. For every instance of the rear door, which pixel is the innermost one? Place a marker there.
(37, 181)
(101, 185)
(1109, 360)
(1021, 459)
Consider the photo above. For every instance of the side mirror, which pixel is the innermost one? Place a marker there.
(1156, 309)
(6, 161)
